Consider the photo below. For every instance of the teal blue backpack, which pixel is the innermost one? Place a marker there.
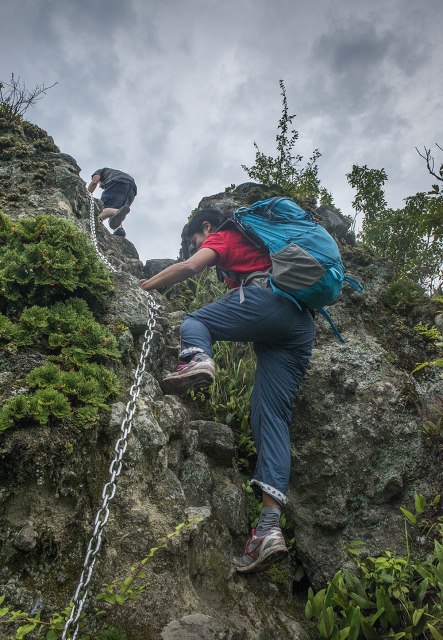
(306, 263)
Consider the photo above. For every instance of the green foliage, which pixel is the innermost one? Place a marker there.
(44, 259)
(410, 236)
(433, 335)
(285, 170)
(432, 222)
(370, 197)
(196, 292)
(8, 332)
(389, 596)
(403, 295)
(254, 504)
(78, 384)
(46, 144)
(229, 397)
(116, 593)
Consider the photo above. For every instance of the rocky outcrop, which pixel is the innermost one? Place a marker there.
(358, 450)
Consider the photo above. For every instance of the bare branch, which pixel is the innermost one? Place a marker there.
(430, 161)
(15, 98)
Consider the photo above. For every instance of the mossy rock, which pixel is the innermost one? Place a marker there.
(250, 192)
(7, 141)
(9, 122)
(13, 147)
(46, 144)
(403, 295)
(33, 132)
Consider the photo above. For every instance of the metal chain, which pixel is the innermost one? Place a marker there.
(115, 467)
(92, 229)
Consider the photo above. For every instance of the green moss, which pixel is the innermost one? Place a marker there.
(46, 144)
(403, 295)
(50, 261)
(78, 345)
(45, 258)
(30, 408)
(8, 331)
(278, 576)
(12, 146)
(6, 141)
(33, 132)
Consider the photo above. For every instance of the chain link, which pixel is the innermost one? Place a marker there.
(120, 447)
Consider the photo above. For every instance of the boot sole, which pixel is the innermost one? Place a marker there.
(118, 218)
(193, 380)
(267, 559)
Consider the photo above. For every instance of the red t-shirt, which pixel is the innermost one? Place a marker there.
(235, 253)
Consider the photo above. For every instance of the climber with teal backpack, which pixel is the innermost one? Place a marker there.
(306, 263)
(270, 304)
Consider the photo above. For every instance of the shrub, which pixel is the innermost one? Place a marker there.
(46, 144)
(79, 385)
(390, 596)
(44, 259)
(403, 295)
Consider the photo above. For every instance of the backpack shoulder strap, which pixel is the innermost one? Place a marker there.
(327, 317)
(355, 284)
(250, 237)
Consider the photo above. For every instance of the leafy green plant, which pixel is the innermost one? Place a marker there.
(76, 383)
(388, 596)
(229, 397)
(433, 335)
(285, 170)
(47, 259)
(196, 292)
(403, 295)
(410, 237)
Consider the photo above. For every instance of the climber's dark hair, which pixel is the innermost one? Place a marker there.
(195, 225)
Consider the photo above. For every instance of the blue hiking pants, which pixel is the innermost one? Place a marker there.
(283, 337)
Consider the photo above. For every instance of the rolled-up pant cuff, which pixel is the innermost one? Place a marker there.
(189, 352)
(272, 492)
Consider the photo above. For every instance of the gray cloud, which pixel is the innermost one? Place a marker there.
(175, 92)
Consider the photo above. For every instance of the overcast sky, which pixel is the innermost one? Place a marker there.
(175, 92)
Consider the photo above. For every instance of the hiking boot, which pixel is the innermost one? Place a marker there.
(196, 374)
(118, 217)
(261, 552)
(120, 232)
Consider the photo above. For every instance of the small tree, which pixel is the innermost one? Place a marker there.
(285, 170)
(433, 220)
(15, 98)
(411, 237)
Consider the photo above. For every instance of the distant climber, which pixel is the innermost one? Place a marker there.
(119, 191)
(283, 337)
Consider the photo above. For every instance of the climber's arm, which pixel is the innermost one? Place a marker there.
(94, 182)
(181, 270)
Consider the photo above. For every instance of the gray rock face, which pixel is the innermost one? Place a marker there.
(198, 626)
(333, 221)
(365, 445)
(215, 439)
(26, 538)
(152, 267)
